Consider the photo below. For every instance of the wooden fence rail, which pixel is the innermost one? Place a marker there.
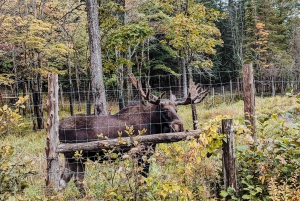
(126, 141)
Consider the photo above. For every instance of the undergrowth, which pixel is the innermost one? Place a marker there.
(181, 171)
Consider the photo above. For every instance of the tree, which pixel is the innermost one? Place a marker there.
(193, 33)
(121, 37)
(95, 58)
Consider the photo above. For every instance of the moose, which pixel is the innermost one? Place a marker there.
(152, 113)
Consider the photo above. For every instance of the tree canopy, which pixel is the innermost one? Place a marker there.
(38, 37)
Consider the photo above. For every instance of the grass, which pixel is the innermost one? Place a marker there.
(31, 145)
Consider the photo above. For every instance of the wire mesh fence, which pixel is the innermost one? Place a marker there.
(116, 173)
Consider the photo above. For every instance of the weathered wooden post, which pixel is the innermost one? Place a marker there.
(229, 169)
(52, 180)
(249, 98)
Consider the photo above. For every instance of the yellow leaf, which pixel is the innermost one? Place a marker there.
(5, 107)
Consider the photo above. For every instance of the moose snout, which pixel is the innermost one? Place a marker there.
(176, 126)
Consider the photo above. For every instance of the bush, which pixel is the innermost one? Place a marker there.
(271, 169)
(13, 173)
(9, 118)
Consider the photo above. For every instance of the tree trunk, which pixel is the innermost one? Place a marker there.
(37, 96)
(77, 81)
(37, 102)
(184, 74)
(120, 80)
(122, 71)
(70, 86)
(95, 58)
(24, 85)
(128, 93)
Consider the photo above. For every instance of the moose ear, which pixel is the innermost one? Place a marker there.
(172, 96)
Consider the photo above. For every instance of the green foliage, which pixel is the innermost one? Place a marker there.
(194, 32)
(273, 161)
(267, 34)
(129, 35)
(165, 69)
(13, 173)
(9, 118)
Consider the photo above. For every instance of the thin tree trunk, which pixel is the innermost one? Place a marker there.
(15, 88)
(26, 7)
(95, 58)
(88, 100)
(184, 74)
(77, 81)
(123, 69)
(127, 84)
(37, 102)
(24, 94)
(70, 86)
(120, 80)
(61, 96)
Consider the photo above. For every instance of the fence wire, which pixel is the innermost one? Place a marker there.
(117, 174)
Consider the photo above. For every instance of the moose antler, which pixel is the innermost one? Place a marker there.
(146, 96)
(137, 84)
(194, 96)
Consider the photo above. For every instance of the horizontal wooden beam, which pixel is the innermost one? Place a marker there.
(9, 97)
(126, 141)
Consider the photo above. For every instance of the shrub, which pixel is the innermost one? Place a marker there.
(13, 173)
(9, 117)
(271, 169)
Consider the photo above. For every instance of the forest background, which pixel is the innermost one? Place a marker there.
(148, 37)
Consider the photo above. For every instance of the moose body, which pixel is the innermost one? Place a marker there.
(155, 118)
(154, 114)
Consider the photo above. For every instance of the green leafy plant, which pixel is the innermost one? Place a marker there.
(13, 173)
(271, 167)
(9, 117)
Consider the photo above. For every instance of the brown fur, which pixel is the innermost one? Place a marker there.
(161, 118)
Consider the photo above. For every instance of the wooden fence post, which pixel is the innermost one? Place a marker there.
(249, 98)
(229, 169)
(52, 179)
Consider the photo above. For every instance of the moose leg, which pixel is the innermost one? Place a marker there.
(148, 152)
(79, 177)
(66, 175)
(76, 169)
